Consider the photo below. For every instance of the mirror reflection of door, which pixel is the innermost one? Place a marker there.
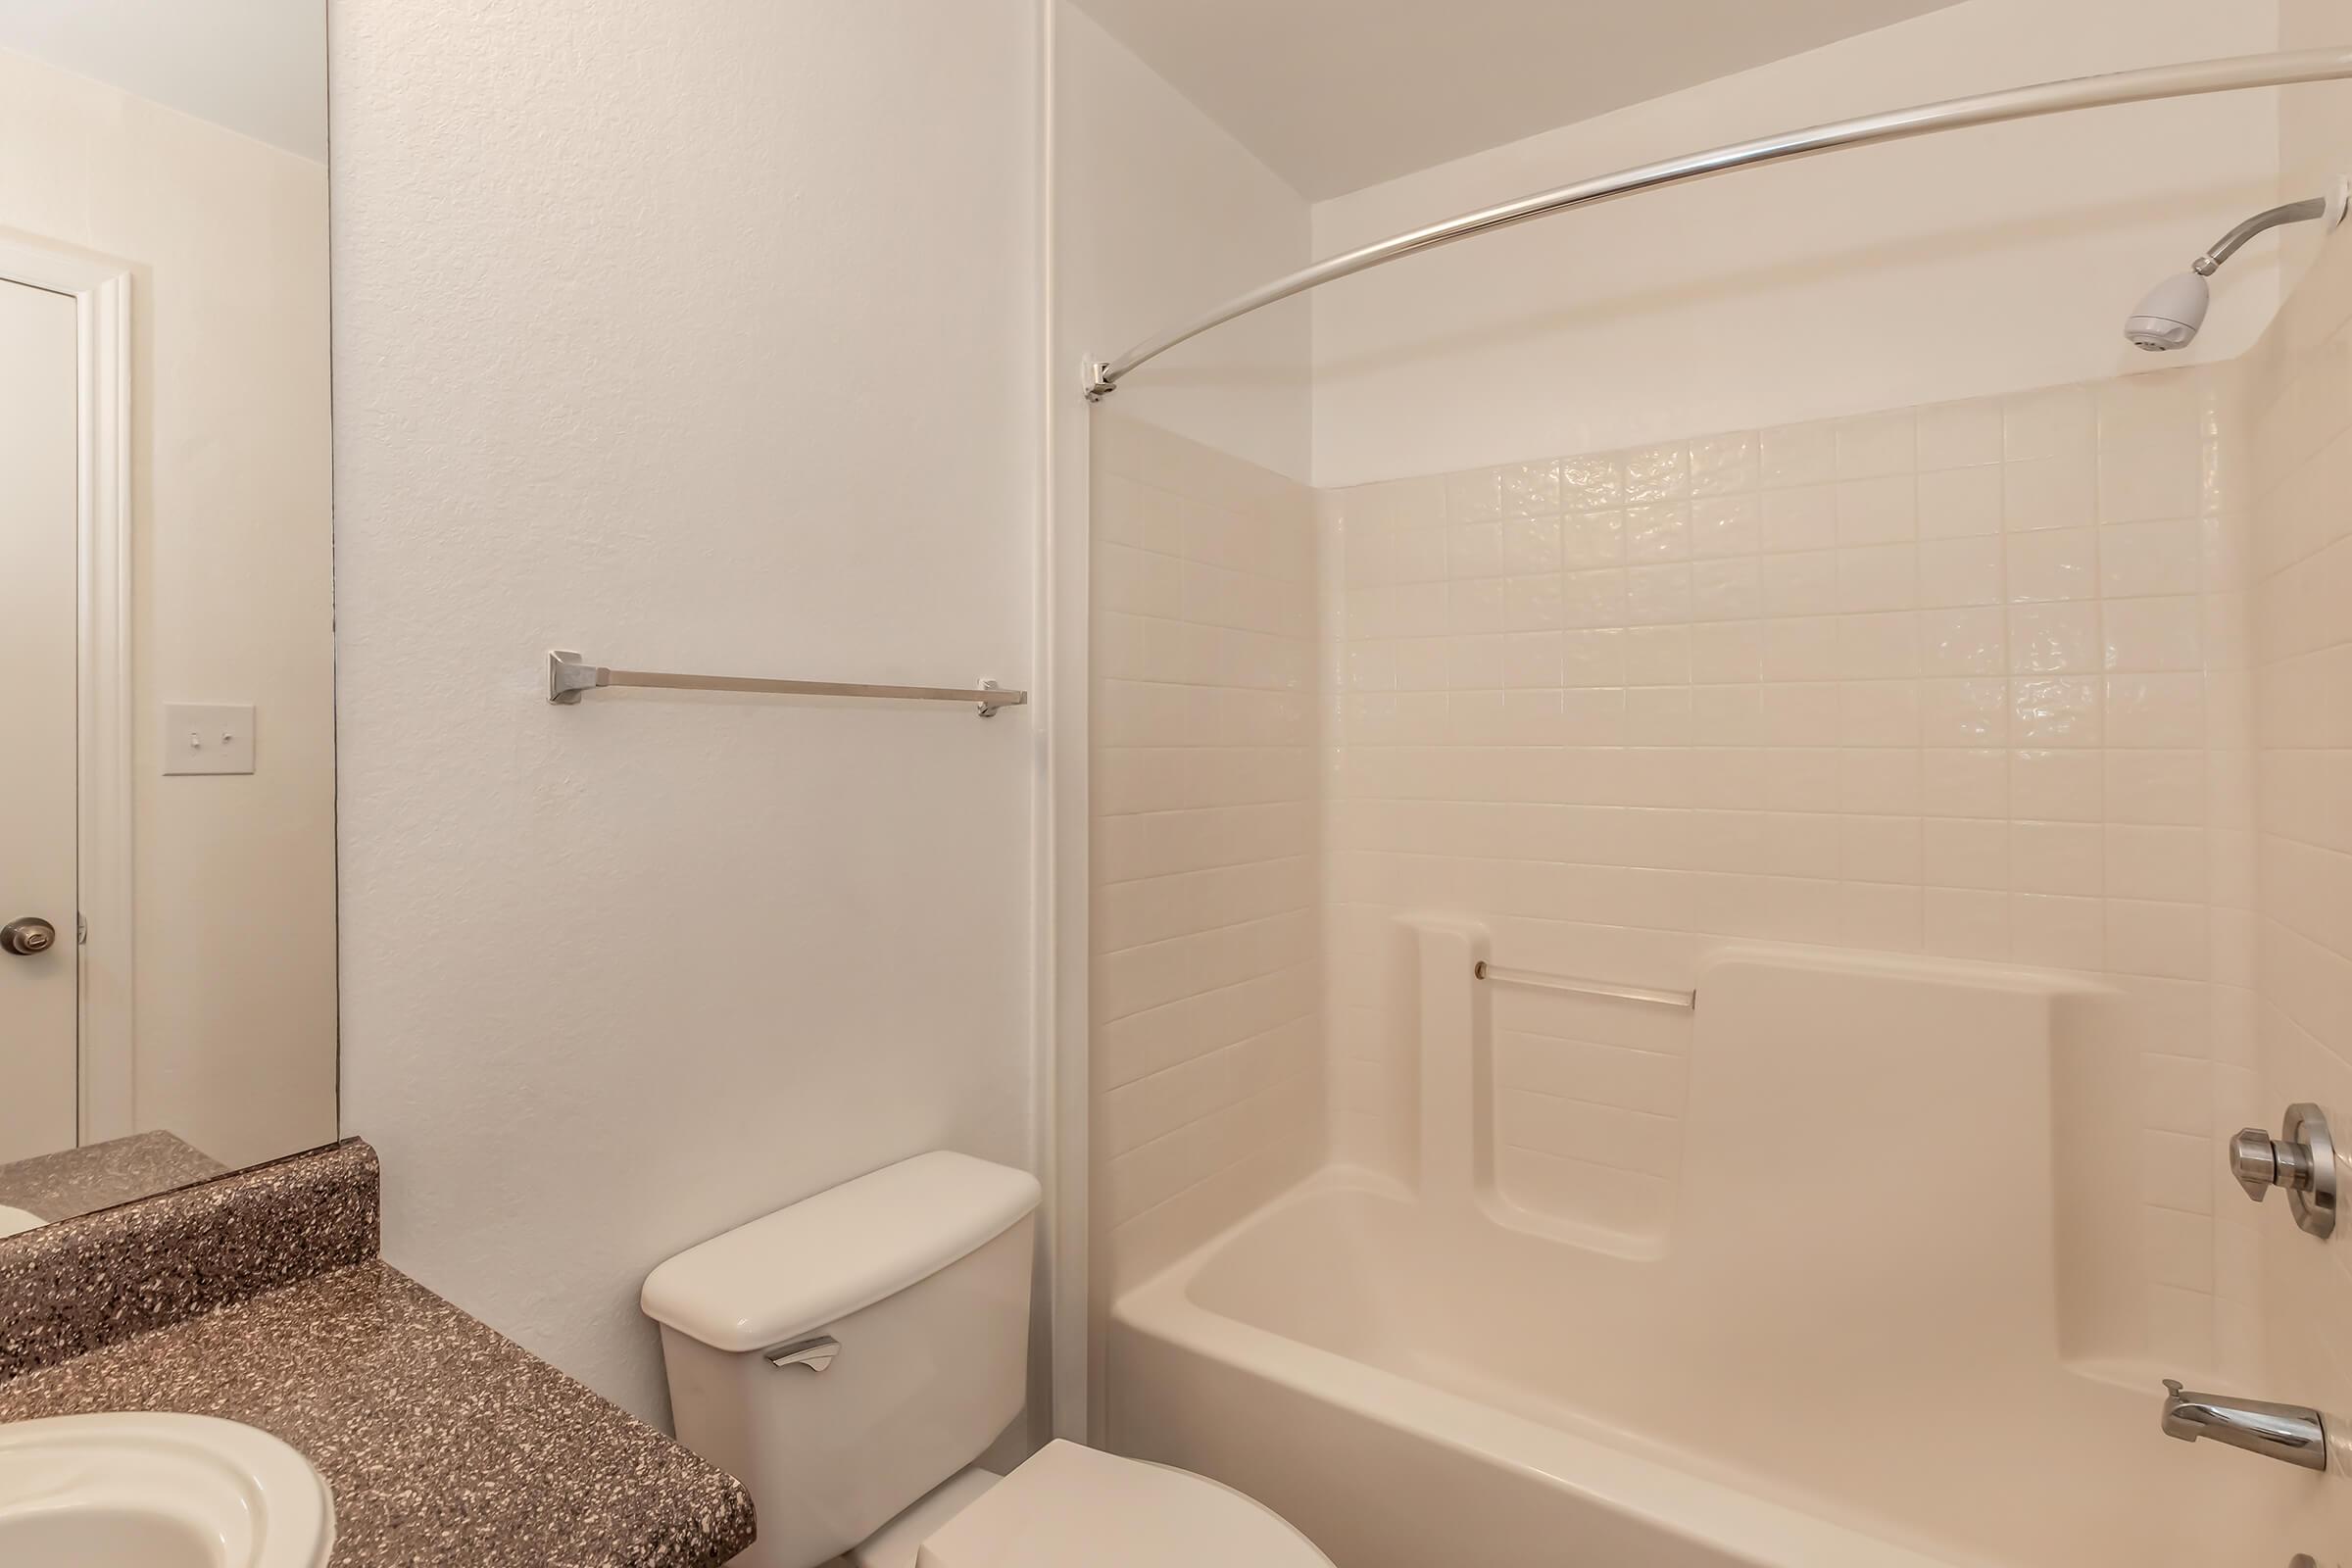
(38, 988)
(167, 610)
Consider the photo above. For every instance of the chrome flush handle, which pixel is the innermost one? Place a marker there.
(815, 1352)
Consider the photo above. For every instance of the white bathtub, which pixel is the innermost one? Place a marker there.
(1845, 1351)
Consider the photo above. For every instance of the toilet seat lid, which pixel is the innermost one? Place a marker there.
(1076, 1507)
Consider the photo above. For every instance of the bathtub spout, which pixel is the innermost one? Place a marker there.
(2274, 1430)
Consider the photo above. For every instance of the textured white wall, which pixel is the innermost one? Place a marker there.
(233, 597)
(1964, 264)
(699, 336)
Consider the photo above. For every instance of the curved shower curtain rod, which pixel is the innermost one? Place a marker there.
(1103, 377)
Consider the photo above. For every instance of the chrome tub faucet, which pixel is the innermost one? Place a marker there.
(2285, 1432)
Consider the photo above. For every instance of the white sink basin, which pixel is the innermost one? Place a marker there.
(150, 1491)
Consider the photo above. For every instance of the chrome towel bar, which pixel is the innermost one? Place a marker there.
(1643, 995)
(569, 676)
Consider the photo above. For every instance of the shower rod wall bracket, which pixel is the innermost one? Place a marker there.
(569, 676)
(2188, 79)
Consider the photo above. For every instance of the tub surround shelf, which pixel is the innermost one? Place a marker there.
(443, 1441)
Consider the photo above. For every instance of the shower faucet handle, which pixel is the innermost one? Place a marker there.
(2301, 1159)
(2261, 1162)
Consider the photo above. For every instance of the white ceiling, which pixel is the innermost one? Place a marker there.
(1333, 95)
(254, 66)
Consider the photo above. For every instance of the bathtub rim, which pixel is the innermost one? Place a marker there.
(1680, 1505)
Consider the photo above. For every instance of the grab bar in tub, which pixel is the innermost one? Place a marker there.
(1643, 995)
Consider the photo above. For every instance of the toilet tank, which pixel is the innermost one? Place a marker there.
(921, 1274)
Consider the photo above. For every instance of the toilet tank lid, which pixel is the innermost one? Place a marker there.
(846, 1247)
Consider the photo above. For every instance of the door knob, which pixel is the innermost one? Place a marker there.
(27, 936)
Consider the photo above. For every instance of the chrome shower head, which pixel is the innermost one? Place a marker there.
(2170, 315)
(2173, 311)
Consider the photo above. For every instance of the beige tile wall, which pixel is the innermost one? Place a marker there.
(1965, 680)
(1978, 680)
(1207, 948)
(2301, 391)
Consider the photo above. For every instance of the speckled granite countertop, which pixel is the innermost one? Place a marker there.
(259, 1297)
(443, 1441)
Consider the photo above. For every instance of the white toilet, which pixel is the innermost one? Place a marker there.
(849, 1358)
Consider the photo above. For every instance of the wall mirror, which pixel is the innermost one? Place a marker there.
(168, 843)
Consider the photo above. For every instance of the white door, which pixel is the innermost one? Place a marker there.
(40, 992)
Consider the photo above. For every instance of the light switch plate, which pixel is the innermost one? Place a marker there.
(208, 737)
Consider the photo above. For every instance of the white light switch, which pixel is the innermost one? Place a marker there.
(208, 737)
